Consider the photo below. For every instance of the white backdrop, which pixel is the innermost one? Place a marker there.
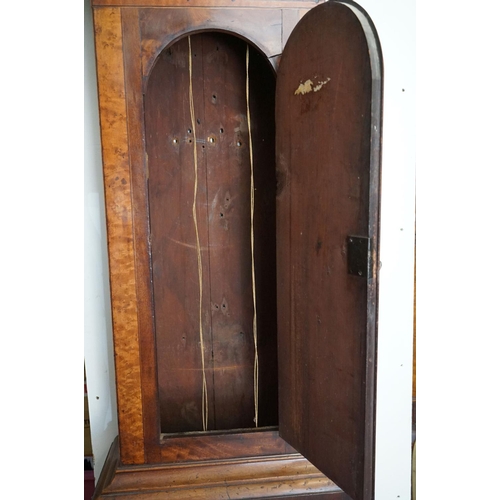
(395, 23)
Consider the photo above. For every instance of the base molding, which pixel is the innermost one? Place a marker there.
(271, 477)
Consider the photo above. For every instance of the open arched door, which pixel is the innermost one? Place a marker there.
(177, 161)
(328, 120)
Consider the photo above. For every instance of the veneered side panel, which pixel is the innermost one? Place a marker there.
(117, 180)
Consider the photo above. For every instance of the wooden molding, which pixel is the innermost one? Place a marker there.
(271, 4)
(284, 476)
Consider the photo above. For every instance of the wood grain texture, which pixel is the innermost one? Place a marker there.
(232, 4)
(223, 219)
(286, 476)
(138, 172)
(262, 28)
(223, 446)
(327, 191)
(119, 215)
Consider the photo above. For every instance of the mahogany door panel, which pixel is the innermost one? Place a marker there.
(327, 168)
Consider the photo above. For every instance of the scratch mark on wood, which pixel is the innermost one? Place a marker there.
(194, 246)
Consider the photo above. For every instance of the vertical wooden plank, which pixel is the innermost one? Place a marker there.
(228, 201)
(116, 164)
(138, 172)
(262, 101)
(170, 142)
(227, 151)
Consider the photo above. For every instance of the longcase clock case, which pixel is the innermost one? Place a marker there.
(241, 148)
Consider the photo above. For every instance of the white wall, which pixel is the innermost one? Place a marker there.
(395, 23)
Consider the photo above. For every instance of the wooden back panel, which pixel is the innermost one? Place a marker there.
(223, 221)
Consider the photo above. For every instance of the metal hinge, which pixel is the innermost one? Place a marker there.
(359, 256)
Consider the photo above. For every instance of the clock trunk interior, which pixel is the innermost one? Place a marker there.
(241, 145)
(202, 99)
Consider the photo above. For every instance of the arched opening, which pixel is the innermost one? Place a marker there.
(210, 133)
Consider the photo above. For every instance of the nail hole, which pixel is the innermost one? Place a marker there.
(221, 131)
(238, 143)
(214, 96)
(175, 141)
(190, 131)
(211, 140)
(221, 214)
(190, 141)
(198, 121)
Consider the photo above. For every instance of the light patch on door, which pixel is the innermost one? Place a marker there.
(310, 86)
